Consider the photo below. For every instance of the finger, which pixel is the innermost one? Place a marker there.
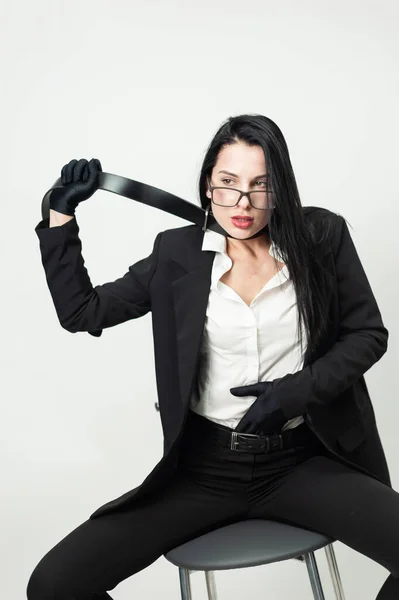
(93, 174)
(261, 387)
(244, 390)
(240, 428)
(85, 173)
(78, 170)
(69, 170)
(246, 427)
(239, 391)
(63, 175)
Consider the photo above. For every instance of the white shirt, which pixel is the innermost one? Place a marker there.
(244, 344)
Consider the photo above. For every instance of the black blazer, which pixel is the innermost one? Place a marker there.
(173, 283)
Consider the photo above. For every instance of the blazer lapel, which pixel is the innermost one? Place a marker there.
(190, 299)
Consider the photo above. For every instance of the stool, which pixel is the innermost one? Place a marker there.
(252, 543)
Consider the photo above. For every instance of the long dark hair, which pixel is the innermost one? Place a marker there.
(295, 237)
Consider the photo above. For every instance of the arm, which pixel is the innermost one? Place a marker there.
(362, 337)
(79, 305)
(56, 218)
(362, 341)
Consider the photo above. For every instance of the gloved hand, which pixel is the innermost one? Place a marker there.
(79, 180)
(265, 415)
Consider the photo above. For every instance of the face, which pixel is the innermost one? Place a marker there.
(246, 171)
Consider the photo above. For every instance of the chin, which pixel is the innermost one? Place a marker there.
(244, 233)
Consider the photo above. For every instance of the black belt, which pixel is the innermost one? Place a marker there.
(209, 431)
(147, 194)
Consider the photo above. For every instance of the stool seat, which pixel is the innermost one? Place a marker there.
(246, 544)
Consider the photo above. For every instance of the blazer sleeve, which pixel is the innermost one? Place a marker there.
(362, 340)
(79, 305)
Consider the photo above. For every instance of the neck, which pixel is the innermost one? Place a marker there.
(253, 248)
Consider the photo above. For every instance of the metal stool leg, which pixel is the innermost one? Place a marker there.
(185, 586)
(314, 576)
(334, 572)
(211, 585)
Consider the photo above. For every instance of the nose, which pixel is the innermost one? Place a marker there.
(244, 202)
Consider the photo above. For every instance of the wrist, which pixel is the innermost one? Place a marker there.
(62, 208)
(61, 202)
(56, 218)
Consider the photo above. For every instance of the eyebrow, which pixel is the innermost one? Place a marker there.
(234, 175)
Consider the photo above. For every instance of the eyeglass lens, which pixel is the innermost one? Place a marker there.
(227, 197)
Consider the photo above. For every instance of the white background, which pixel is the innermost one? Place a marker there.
(143, 86)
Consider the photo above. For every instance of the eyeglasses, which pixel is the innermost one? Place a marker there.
(226, 196)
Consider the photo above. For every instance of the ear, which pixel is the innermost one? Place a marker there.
(207, 190)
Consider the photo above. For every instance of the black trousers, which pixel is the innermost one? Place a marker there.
(215, 486)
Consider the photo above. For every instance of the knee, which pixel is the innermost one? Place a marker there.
(46, 584)
(40, 585)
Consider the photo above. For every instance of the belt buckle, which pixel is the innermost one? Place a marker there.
(235, 441)
(276, 442)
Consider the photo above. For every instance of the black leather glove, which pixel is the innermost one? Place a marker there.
(265, 415)
(79, 180)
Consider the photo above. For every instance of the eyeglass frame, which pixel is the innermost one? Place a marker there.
(220, 187)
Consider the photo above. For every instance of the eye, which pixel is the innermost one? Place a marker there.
(226, 179)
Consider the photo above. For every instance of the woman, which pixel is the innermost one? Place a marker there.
(267, 331)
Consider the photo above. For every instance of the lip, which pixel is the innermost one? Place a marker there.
(244, 224)
(243, 217)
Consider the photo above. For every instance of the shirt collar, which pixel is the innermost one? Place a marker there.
(216, 241)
